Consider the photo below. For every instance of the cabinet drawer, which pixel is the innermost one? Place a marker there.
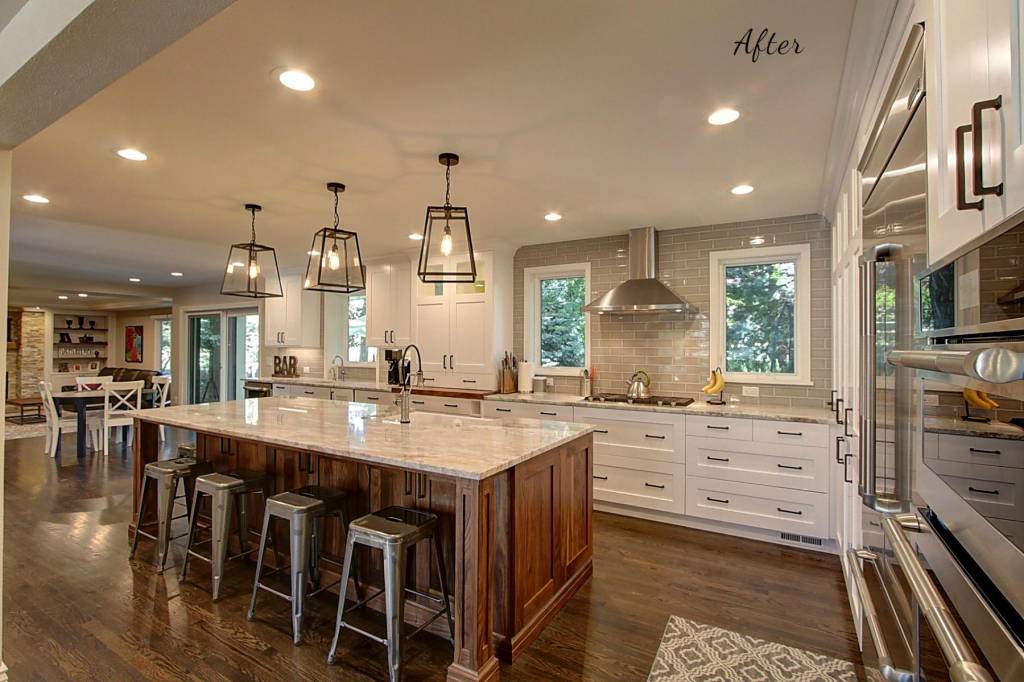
(477, 382)
(995, 492)
(734, 428)
(372, 397)
(790, 433)
(973, 450)
(785, 466)
(311, 392)
(493, 408)
(651, 485)
(433, 403)
(794, 511)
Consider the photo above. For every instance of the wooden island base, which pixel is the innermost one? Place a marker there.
(516, 545)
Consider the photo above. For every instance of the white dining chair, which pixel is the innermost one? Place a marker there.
(91, 383)
(119, 398)
(55, 423)
(162, 384)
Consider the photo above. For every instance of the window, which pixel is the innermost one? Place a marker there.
(358, 351)
(760, 314)
(557, 331)
(165, 344)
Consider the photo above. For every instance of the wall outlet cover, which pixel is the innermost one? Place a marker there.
(549, 381)
(305, 369)
(751, 391)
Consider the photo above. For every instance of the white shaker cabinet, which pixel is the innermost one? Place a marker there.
(294, 318)
(388, 304)
(1005, 126)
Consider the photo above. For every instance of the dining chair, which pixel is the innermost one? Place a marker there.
(91, 383)
(55, 423)
(119, 398)
(162, 384)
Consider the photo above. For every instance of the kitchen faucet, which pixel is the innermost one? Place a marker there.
(403, 380)
(337, 371)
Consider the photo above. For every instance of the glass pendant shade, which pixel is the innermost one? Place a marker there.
(446, 250)
(251, 270)
(335, 263)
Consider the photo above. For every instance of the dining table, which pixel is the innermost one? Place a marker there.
(82, 400)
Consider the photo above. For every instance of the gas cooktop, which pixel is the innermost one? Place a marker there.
(660, 400)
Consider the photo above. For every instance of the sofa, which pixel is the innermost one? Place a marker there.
(130, 374)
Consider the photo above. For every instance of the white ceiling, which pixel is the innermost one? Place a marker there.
(592, 108)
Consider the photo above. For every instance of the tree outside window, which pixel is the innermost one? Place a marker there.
(562, 334)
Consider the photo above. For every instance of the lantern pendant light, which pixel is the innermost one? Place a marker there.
(335, 263)
(446, 251)
(252, 268)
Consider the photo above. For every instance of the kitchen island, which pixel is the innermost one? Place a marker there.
(514, 499)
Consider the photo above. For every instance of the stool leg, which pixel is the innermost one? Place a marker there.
(259, 564)
(138, 517)
(342, 589)
(190, 487)
(242, 509)
(301, 536)
(443, 578)
(165, 492)
(394, 598)
(221, 512)
(192, 519)
(314, 553)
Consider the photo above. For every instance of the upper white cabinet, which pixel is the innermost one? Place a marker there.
(388, 297)
(973, 54)
(294, 318)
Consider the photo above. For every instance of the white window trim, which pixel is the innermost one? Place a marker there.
(373, 364)
(531, 301)
(718, 261)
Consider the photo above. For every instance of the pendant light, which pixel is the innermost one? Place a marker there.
(335, 263)
(446, 252)
(252, 268)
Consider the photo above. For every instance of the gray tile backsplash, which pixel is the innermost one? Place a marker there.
(674, 348)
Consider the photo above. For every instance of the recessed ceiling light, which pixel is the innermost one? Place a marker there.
(721, 117)
(296, 79)
(63, 297)
(553, 217)
(132, 154)
(37, 308)
(134, 279)
(177, 274)
(742, 189)
(83, 296)
(756, 241)
(36, 198)
(416, 236)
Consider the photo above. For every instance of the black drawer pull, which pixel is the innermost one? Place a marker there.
(982, 490)
(601, 478)
(451, 404)
(600, 430)
(418, 402)
(428, 378)
(654, 436)
(309, 392)
(502, 409)
(718, 428)
(790, 433)
(790, 511)
(715, 499)
(469, 381)
(653, 485)
(550, 414)
(718, 459)
(372, 397)
(787, 466)
(986, 452)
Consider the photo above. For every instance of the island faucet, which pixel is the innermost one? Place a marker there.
(404, 381)
(337, 371)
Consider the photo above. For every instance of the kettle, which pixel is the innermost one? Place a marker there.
(638, 386)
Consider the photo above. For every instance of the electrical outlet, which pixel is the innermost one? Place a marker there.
(931, 398)
(751, 391)
(549, 382)
(305, 369)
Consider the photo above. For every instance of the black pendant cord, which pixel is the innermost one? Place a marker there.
(253, 238)
(448, 184)
(337, 218)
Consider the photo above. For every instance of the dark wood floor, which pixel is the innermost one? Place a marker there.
(76, 608)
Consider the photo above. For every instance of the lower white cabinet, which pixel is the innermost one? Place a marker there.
(496, 410)
(310, 391)
(794, 511)
(639, 483)
(770, 464)
(374, 397)
(421, 403)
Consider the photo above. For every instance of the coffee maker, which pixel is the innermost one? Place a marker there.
(393, 357)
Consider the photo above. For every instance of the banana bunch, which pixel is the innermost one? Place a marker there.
(979, 399)
(715, 382)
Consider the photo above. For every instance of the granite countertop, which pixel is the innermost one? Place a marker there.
(808, 415)
(450, 445)
(959, 427)
(372, 385)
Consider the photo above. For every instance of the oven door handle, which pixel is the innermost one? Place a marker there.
(885, 666)
(990, 364)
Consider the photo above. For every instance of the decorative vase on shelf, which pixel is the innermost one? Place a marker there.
(92, 324)
(97, 353)
(81, 322)
(70, 322)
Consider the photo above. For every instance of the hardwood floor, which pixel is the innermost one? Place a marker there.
(76, 608)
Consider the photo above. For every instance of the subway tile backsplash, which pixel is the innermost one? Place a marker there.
(674, 348)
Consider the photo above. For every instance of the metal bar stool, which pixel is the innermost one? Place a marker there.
(304, 509)
(393, 530)
(225, 490)
(166, 474)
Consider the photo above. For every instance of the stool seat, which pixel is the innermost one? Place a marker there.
(395, 524)
(180, 465)
(231, 480)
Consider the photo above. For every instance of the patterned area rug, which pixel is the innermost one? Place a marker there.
(694, 652)
(18, 431)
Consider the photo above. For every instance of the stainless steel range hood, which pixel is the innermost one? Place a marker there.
(642, 292)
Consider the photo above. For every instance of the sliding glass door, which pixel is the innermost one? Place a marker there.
(223, 351)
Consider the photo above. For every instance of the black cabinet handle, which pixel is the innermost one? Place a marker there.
(600, 430)
(372, 397)
(979, 184)
(550, 414)
(839, 458)
(832, 401)
(846, 468)
(986, 452)
(502, 409)
(309, 392)
(469, 381)
(451, 361)
(787, 466)
(718, 428)
(444, 361)
(718, 459)
(790, 511)
(601, 478)
(715, 499)
(846, 421)
(961, 177)
(982, 490)
(418, 402)
(790, 433)
(654, 436)
(428, 378)
(451, 404)
(839, 408)
(654, 485)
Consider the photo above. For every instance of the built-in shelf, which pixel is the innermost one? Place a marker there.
(79, 329)
(79, 343)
